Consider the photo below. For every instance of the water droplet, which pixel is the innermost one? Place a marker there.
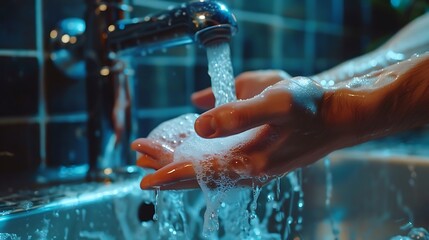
(301, 203)
(290, 220)
(155, 215)
(279, 216)
(263, 178)
(56, 214)
(26, 205)
(270, 197)
(418, 234)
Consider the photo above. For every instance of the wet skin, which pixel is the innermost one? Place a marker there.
(289, 135)
(299, 120)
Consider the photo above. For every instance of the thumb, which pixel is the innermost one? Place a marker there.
(270, 107)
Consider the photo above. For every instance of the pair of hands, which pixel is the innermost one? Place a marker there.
(297, 121)
(291, 131)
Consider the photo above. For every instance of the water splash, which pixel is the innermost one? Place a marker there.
(329, 189)
(230, 211)
(95, 235)
(155, 215)
(9, 236)
(26, 205)
(414, 234)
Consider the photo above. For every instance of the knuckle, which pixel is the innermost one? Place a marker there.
(279, 101)
(237, 119)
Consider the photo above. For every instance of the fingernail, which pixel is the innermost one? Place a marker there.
(135, 144)
(146, 183)
(205, 125)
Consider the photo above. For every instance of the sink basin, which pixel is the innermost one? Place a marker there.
(355, 195)
(373, 195)
(89, 210)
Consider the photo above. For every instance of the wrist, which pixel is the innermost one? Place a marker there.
(343, 112)
(381, 103)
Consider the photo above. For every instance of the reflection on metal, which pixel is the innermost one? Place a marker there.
(76, 211)
(202, 22)
(66, 44)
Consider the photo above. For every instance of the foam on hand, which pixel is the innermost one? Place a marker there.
(217, 185)
(219, 165)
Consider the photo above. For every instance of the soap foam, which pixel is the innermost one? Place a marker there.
(173, 132)
(179, 135)
(231, 210)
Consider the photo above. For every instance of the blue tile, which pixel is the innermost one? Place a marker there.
(257, 40)
(294, 9)
(265, 6)
(252, 65)
(202, 78)
(160, 86)
(293, 44)
(17, 24)
(324, 11)
(19, 86)
(67, 144)
(56, 10)
(19, 148)
(63, 94)
(329, 46)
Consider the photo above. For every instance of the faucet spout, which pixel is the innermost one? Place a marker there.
(203, 22)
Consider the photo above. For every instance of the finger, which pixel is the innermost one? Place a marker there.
(145, 161)
(181, 175)
(169, 174)
(152, 148)
(189, 184)
(203, 99)
(250, 84)
(270, 107)
(193, 184)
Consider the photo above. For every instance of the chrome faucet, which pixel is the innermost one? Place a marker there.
(104, 80)
(203, 22)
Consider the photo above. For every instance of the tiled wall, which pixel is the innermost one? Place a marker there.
(42, 123)
(272, 34)
(42, 112)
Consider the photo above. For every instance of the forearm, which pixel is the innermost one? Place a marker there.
(412, 39)
(384, 102)
(404, 102)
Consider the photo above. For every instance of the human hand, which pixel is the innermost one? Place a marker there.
(158, 153)
(157, 150)
(289, 133)
(296, 122)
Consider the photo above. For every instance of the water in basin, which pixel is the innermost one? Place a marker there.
(352, 194)
(85, 210)
(306, 204)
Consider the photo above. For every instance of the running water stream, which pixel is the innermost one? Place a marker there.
(221, 73)
(230, 211)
